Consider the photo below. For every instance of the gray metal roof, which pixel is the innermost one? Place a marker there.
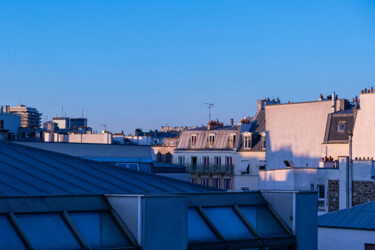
(222, 135)
(332, 134)
(26, 171)
(358, 217)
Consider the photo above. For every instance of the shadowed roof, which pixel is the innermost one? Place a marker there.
(26, 171)
(358, 217)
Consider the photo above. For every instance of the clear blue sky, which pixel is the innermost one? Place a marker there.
(132, 64)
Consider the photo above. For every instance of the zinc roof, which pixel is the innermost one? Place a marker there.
(26, 171)
(358, 217)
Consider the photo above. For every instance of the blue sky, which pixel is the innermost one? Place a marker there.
(145, 64)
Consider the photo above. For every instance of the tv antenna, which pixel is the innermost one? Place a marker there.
(209, 106)
(105, 126)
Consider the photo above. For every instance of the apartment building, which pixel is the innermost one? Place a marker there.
(324, 146)
(226, 157)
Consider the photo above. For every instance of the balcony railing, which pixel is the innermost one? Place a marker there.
(210, 169)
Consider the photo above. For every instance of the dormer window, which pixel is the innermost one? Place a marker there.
(231, 140)
(193, 140)
(210, 140)
(341, 127)
(247, 142)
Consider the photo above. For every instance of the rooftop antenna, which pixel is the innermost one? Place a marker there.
(209, 106)
(105, 126)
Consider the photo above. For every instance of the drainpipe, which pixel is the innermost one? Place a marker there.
(350, 172)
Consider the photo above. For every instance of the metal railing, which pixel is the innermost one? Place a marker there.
(213, 169)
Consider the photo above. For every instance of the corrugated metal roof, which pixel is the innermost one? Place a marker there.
(358, 217)
(28, 171)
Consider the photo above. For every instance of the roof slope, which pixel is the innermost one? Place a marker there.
(358, 217)
(332, 134)
(28, 171)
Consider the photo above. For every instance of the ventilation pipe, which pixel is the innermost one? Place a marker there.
(350, 171)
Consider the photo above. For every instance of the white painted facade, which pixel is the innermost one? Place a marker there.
(344, 239)
(104, 138)
(295, 133)
(364, 129)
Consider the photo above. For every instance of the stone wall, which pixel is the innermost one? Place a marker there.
(363, 192)
(333, 195)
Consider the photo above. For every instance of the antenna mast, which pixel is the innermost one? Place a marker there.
(209, 106)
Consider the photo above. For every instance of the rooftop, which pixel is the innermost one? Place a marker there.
(29, 171)
(358, 217)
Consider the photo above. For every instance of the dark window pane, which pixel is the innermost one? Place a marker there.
(263, 221)
(228, 223)
(47, 231)
(9, 239)
(99, 230)
(198, 230)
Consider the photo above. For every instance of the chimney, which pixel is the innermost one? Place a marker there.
(321, 97)
(261, 104)
(231, 122)
(1, 109)
(372, 89)
(333, 102)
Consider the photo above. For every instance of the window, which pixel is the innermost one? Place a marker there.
(198, 230)
(341, 126)
(51, 231)
(262, 164)
(217, 161)
(181, 160)
(231, 140)
(216, 182)
(211, 140)
(193, 140)
(228, 223)
(245, 167)
(204, 181)
(99, 230)
(227, 184)
(228, 160)
(247, 142)
(206, 161)
(245, 188)
(321, 191)
(369, 246)
(194, 161)
(321, 197)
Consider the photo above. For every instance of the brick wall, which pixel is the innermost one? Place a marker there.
(333, 195)
(363, 192)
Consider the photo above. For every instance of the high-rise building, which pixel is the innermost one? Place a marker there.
(30, 117)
